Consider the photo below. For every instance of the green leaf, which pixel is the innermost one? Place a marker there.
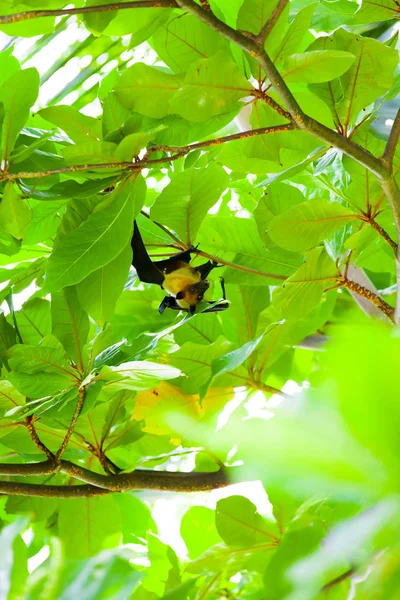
(234, 359)
(8, 64)
(77, 126)
(305, 225)
(33, 359)
(316, 66)
(278, 198)
(294, 545)
(295, 34)
(135, 90)
(198, 530)
(303, 290)
(239, 523)
(87, 525)
(131, 145)
(7, 336)
(34, 320)
(212, 86)
(99, 292)
(195, 362)
(137, 375)
(374, 62)
(91, 153)
(15, 212)
(40, 384)
(69, 189)
(18, 93)
(136, 518)
(70, 323)
(9, 245)
(180, 42)
(219, 235)
(98, 575)
(184, 203)
(98, 240)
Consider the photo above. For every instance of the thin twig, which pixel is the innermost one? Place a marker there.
(36, 14)
(338, 580)
(353, 286)
(271, 102)
(227, 263)
(166, 230)
(271, 22)
(383, 233)
(148, 164)
(182, 150)
(391, 144)
(79, 405)
(29, 423)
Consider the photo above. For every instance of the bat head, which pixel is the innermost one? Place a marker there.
(192, 294)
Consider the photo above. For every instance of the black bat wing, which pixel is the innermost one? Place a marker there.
(146, 270)
(169, 265)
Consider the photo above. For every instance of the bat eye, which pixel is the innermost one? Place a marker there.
(192, 290)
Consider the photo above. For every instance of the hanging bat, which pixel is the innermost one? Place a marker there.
(186, 285)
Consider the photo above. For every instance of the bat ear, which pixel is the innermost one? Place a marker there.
(192, 309)
(180, 295)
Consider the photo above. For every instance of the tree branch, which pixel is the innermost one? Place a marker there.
(391, 144)
(36, 14)
(182, 150)
(79, 405)
(147, 164)
(271, 22)
(136, 480)
(355, 287)
(301, 120)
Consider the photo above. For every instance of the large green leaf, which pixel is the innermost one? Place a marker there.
(137, 375)
(87, 525)
(303, 291)
(316, 66)
(99, 291)
(8, 64)
(353, 92)
(239, 523)
(33, 359)
(18, 93)
(40, 384)
(79, 127)
(180, 42)
(15, 213)
(198, 530)
(70, 323)
(136, 86)
(212, 86)
(305, 225)
(184, 203)
(278, 198)
(98, 240)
